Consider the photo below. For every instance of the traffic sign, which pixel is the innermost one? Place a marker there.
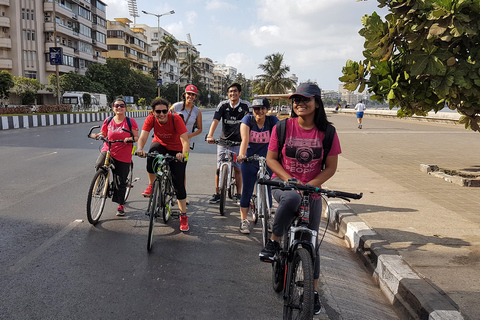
(56, 55)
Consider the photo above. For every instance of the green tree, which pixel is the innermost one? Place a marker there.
(274, 79)
(190, 67)
(168, 48)
(246, 86)
(6, 83)
(87, 100)
(26, 89)
(422, 57)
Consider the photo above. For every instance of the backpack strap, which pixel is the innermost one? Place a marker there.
(129, 122)
(327, 143)
(281, 132)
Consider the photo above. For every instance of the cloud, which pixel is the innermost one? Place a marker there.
(191, 17)
(218, 5)
(243, 63)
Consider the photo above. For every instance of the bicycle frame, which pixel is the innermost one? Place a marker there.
(229, 158)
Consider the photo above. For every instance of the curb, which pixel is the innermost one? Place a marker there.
(410, 293)
(44, 120)
(434, 170)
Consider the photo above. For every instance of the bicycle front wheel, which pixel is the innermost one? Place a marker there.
(129, 182)
(263, 212)
(299, 296)
(223, 189)
(97, 195)
(153, 211)
(166, 197)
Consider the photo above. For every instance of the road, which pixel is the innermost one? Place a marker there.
(55, 265)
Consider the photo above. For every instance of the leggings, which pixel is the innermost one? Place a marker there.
(249, 177)
(177, 168)
(120, 173)
(288, 203)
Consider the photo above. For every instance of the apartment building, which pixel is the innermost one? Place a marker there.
(185, 48)
(169, 70)
(29, 28)
(221, 74)
(131, 44)
(206, 73)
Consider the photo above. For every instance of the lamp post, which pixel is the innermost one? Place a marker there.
(190, 58)
(158, 41)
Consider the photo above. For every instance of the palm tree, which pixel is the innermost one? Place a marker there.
(190, 67)
(168, 48)
(274, 79)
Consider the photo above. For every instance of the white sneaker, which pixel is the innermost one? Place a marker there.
(245, 226)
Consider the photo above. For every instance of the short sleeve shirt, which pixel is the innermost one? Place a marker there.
(231, 118)
(177, 107)
(302, 152)
(168, 134)
(259, 137)
(119, 151)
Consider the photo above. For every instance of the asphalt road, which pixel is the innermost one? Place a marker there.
(55, 265)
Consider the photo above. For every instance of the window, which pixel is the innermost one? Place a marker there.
(31, 74)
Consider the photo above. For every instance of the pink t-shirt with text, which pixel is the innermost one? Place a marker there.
(302, 152)
(119, 151)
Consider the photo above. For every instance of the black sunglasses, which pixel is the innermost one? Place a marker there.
(164, 111)
(300, 99)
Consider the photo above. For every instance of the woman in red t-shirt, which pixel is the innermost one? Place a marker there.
(120, 152)
(170, 137)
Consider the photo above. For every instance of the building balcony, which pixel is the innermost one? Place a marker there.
(61, 68)
(5, 3)
(5, 22)
(5, 63)
(5, 43)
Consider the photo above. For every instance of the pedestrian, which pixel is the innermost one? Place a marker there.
(360, 107)
(169, 137)
(121, 153)
(300, 159)
(230, 112)
(255, 131)
(192, 116)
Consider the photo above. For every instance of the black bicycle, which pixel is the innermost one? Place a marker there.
(226, 178)
(293, 267)
(163, 194)
(104, 183)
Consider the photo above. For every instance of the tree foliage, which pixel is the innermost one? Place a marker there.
(26, 89)
(190, 67)
(274, 79)
(6, 83)
(425, 55)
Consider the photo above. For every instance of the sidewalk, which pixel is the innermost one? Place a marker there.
(418, 234)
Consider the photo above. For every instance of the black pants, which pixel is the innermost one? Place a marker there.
(177, 168)
(121, 171)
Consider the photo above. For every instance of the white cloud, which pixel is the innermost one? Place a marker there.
(218, 5)
(243, 63)
(191, 17)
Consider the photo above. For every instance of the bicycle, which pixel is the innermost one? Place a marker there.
(226, 177)
(293, 267)
(259, 204)
(163, 193)
(104, 183)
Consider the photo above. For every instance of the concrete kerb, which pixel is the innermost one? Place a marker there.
(409, 292)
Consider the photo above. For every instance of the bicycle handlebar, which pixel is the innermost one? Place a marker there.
(154, 154)
(106, 139)
(254, 158)
(225, 142)
(285, 185)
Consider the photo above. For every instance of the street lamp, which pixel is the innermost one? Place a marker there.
(190, 58)
(158, 41)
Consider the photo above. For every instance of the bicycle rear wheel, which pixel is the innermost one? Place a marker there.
(129, 182)
(167, 196)
(263, 212)
(153, 211)
(232, 184)
(97, 195)
(299, 296)
(223, 189)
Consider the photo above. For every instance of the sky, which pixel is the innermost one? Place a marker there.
(316, 37)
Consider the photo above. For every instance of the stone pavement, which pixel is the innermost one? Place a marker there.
(418, 234)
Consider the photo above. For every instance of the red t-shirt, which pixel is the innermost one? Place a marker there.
(119, 151)
(166, 134)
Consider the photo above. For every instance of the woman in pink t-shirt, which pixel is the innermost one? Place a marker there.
(120, 152)
(301, 159)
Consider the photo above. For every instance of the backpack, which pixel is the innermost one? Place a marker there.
(129, 122)
(327, 139)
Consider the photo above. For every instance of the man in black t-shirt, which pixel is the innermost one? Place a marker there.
(230, 112)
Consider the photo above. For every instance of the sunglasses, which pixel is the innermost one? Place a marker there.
(164, 111)
(119, 106)
(300, 99)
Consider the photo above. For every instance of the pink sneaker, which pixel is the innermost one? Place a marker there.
(184, 223)
(121, 210)
(147, 191)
